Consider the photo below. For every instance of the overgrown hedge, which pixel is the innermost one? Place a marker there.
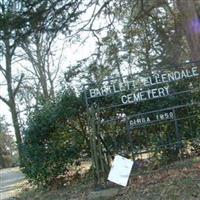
(54, 138)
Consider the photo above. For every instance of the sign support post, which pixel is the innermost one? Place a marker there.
(99, 158)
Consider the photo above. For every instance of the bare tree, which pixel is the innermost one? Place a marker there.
(38, 51)
(11, 32)
(19, 20)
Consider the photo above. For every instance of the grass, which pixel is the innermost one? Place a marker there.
(178, 181)
(74, 191)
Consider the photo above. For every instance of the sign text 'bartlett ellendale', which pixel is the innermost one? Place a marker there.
(137, 87)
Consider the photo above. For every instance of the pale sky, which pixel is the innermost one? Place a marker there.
(71, 54)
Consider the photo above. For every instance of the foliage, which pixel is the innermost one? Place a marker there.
(23, 22)
(55, 138)
(178, 181)
(135, 36)
(7, 146)
(149, 37)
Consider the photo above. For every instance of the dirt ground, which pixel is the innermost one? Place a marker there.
(177, 181)
(10, 182)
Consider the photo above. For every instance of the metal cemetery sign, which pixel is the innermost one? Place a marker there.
(166, 100)
(151, 117)
(141, 88)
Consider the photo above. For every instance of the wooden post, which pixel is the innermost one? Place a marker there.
(99, 159)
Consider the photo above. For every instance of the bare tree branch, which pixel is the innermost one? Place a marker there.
(99, 12)
(4, 100)
(18, 85)
(3, 71)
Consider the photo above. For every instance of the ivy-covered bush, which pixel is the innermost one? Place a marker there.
(55, 138)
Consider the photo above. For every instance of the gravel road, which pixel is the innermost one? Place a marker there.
(10, 180)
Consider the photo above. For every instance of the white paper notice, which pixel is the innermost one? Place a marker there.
(120, 170)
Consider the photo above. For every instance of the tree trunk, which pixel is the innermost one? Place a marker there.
(11, 95)
(16, 128)
(191, 26)
(2, 163)
(40, 60)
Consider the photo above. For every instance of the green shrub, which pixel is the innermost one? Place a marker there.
(54, 139)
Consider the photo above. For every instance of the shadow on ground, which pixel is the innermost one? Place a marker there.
(9, 182)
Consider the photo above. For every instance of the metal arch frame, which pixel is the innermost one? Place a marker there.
(91, 103)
